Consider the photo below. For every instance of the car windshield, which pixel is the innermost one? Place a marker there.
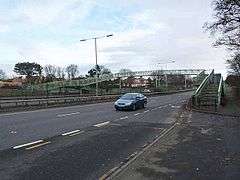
(129, 96)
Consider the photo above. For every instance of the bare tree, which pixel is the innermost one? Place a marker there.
(72, 71)
(60, 72)
(227, 23)
(234, 64)
(50, 71)
(124, 71)
(2, 74)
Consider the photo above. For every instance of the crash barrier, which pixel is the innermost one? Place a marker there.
(45, 102)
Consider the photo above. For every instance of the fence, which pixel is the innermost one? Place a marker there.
(46, 102)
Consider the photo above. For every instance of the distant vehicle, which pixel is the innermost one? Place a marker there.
(131, 101)
(146, 90)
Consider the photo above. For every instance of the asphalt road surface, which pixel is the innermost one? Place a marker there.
(79, 142)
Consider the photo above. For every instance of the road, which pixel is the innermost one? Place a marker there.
(79, 142)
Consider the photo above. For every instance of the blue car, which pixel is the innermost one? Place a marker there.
(131, 101)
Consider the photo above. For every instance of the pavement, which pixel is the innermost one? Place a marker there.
(80, 142)
(201, 147)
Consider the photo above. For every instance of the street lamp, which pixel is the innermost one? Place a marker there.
(172, 61)
(96, 58)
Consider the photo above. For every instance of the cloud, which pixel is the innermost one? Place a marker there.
(4, 28)
(46, 12)
(145, 33)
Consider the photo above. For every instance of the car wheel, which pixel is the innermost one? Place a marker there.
(143, 105)
(134, 107)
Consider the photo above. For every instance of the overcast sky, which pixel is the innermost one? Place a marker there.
(146, 33)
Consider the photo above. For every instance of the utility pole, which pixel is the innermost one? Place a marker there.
(97, 74)
(166, 79)
(185, 81)
(96, 58)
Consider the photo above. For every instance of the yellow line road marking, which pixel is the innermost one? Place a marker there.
(38, 145)
(105, 176)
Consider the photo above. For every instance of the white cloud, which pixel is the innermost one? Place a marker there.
(146, 32)
(45, 12)
(4, 28)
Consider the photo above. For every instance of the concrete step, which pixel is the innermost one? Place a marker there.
(210, 89)
(209, 92)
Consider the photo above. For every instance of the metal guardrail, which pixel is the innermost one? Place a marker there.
(220, 89)
(205, 82)
(216, 100)
(70, 100)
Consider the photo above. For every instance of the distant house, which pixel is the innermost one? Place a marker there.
(12, 83)
(136, 82)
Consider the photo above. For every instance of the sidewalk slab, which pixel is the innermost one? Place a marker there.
(205, 146)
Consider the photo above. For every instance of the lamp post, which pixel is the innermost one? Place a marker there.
(166, 80)
(96, 58)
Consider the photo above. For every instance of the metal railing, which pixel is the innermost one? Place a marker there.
(205, 82)
(92, 80)
(212, 98)
(45, 102)
(220, 91)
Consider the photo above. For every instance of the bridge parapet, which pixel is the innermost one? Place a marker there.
(107, 77)
(210, 92)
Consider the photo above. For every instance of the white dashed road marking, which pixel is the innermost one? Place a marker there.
(71, 132)
(175, 106)
(27, 144)
(102, 124)
(125, 117)
(146, 111)
(63, 115)
(137, 114)
(80, 132)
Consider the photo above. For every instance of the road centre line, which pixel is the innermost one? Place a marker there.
(28, 144)
(80, 132)
(63, 115)
(71, 132)
(146, 111)
(38, 145)
(102, 124)
(125, 117)
(137, 114)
